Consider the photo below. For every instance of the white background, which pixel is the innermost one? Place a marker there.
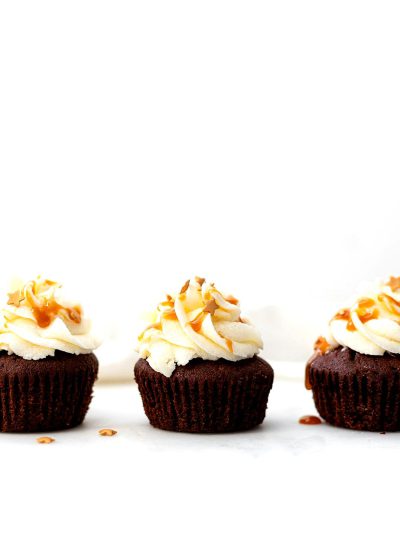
(255, 143)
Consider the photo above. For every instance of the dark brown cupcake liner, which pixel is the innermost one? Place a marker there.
(45, 395)
(357, 391)
(206, 396)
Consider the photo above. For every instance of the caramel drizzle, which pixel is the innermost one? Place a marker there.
(169, 315)
(344, 315)
(229, 344)
(44, 309)
(365, 312)
(391, 304)
(197, 322)
(321, 346)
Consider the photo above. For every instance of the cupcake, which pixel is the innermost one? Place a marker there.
(47, 367)
(199, 370)
(354, 372)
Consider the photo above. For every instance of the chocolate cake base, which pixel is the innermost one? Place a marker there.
(206, 396)
(356, 391)
(44, 395)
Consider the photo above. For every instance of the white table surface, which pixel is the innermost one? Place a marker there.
(281, 476)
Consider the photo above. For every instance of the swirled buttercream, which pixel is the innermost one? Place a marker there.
(370, 325)
(197, 322)
(38, 320)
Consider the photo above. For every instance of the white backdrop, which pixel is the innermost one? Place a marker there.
(252, 142)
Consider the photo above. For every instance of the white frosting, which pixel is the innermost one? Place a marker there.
(374, 325)
(183, 329)
(21, 334)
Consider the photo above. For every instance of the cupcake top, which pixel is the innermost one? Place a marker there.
(37, 320)
(198, 322)
(370, 325)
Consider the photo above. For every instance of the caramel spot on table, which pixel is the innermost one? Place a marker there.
(45, 440)
(107, 432)
(310, 420)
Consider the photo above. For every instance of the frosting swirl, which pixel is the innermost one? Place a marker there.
(370, 325)
(37, 320)
(198, 322)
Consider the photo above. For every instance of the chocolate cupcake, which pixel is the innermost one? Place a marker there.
(47, 368)
(354, 372)
(199, 370)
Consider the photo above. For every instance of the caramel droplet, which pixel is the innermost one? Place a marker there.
(107, 432)
(310, 420)
(45, 439)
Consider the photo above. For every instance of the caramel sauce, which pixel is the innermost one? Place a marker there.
(368, 316)
(45, 311)
(197, 322)
(344, 315)
(170, 315)
(166, 304)
(321, 345)
(310, 420)
(308, 369)
(229, 344)
(366, 303)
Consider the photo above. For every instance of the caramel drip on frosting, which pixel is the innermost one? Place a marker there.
(170, 315)
(45, 308)
(321, 346)
(345, 316)
(197, 322)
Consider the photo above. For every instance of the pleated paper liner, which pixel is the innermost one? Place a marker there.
(44, 395)
(356, 391)
(206, 396)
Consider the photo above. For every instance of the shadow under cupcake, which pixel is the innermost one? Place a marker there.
(199, 370)
(354, 372)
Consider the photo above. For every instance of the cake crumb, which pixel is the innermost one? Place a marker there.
(107, 432)
(45, 440)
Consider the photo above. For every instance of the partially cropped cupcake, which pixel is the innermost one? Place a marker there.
(47, 365)
(199, 370)
(354, 372)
